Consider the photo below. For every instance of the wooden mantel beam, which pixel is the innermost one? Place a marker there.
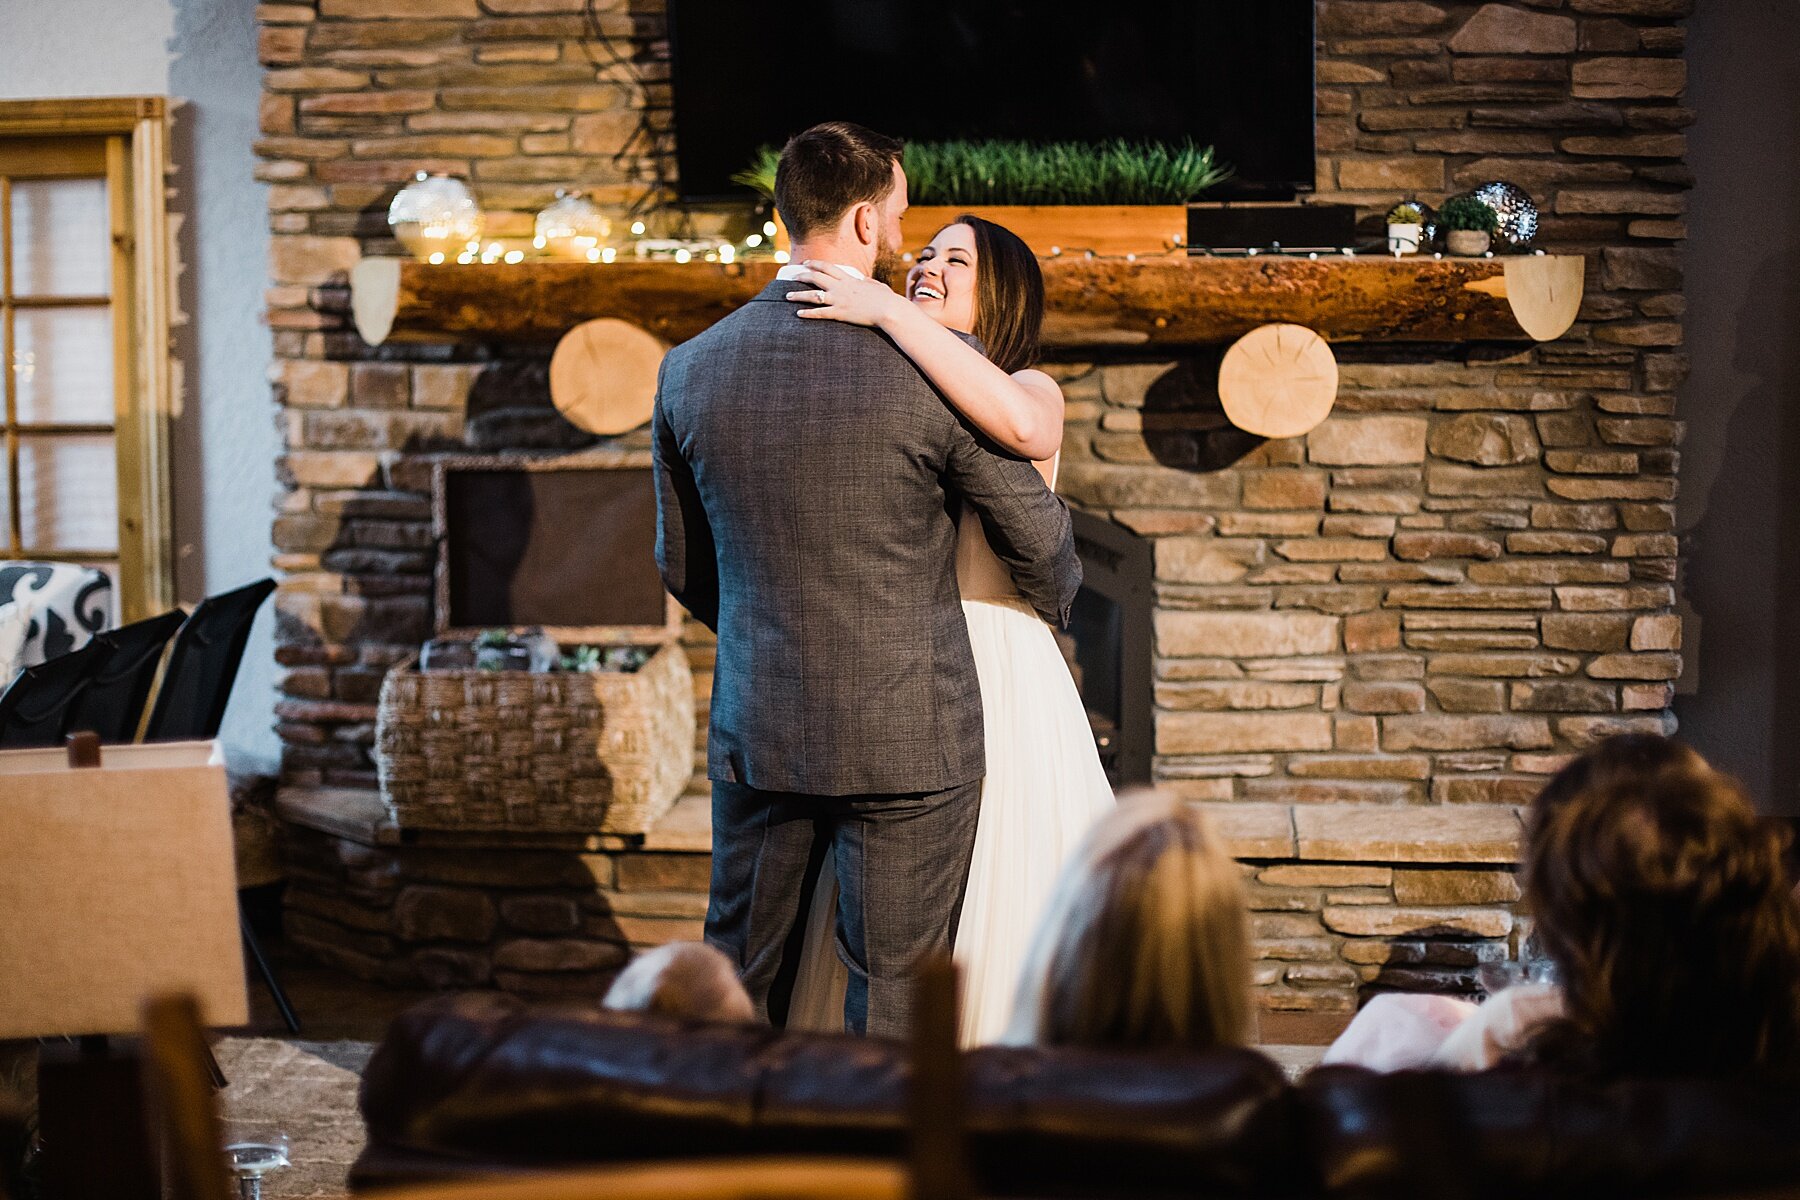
(1149, 302)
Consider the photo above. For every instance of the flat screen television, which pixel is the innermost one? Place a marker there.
(1238, 77)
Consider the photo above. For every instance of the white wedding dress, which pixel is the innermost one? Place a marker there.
(1044, 788)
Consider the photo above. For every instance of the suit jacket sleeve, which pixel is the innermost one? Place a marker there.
(1026, 523)
(684, 543)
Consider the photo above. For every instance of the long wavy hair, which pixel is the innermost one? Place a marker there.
(1009, 294)
(1661, 897)
(1144, 941)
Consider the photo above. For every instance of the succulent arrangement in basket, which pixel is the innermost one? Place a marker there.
(1468, 224)
(506, 650)
(1014, 172)
(605, 658)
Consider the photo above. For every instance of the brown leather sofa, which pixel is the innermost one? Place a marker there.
(484, 1083)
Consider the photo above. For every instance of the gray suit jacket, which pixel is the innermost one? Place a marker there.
(807, 481)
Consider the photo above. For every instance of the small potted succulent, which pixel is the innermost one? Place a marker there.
(1468, 225)
(1405, 225)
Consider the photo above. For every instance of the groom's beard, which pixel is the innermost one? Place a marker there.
(887, 264)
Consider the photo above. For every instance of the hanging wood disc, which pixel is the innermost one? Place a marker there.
(1544, 291)
(603, 375)
(1278, 381)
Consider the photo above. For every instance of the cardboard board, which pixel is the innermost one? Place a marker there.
(116, 882)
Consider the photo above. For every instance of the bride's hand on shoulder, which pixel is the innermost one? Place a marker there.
(834, 294)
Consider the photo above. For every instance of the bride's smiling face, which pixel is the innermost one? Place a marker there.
(942, 280)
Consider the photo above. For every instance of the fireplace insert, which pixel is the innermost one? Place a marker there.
(1108, 644)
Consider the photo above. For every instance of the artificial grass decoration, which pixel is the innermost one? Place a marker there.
(1004, 172)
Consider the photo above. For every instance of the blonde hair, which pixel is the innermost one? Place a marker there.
(690, 980)
(1144, 940)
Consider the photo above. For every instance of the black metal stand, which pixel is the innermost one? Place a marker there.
(268, 973)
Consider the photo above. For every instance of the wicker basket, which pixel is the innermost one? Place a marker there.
(561, 751)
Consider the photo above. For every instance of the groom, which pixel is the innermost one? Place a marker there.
(806, 480)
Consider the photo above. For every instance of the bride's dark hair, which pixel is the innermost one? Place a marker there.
(1009, 294)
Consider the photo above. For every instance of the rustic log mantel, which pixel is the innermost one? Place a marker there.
(1091, 302)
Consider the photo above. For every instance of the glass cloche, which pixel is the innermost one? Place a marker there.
(572, 226)
(435, 217)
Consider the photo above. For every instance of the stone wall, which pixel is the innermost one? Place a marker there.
(533, 920)
(1344, 898)
(1467, 572)
(520, 97)
(1463, 576)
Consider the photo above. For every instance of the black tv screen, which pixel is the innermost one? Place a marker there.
(1238, 77)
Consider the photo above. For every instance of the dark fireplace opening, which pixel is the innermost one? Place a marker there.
(1107, 644)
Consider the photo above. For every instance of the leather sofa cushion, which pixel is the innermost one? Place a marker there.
(493, 1081)
(1516, 1133)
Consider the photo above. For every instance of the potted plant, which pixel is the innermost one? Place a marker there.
(1468, 225)
(1115, 197)
(1405, 224)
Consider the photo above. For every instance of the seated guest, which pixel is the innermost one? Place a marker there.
(1143, 943)
(690, 980)
(1661, 898)
(1396, 1031)
(1662, 903)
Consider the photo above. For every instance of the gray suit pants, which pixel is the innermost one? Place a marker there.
(902, 864)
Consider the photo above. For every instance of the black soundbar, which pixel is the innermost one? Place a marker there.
(1253, 225)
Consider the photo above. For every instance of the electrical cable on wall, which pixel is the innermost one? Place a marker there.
(623, 55)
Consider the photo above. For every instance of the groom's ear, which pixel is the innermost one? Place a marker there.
(864, 221)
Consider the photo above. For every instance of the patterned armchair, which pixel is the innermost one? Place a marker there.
(48, 609)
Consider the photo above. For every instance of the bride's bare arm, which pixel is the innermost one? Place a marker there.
(1022, 412)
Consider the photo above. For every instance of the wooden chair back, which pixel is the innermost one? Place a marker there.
(179, 1096)
(720, 1179)
(939, 1152)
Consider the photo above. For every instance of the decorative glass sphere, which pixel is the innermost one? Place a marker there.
(1513, 205)
(435, 214)
(571, 226)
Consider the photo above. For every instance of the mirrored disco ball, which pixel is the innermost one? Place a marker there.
(1513, 205)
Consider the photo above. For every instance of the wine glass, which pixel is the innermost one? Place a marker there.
(255, 1151)
(1528, 968)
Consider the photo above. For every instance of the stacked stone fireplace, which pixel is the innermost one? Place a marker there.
(1370, 644)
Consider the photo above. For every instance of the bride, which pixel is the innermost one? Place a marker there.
(1044, 785)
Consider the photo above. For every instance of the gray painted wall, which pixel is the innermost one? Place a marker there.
(202, 55)
(1739, 511)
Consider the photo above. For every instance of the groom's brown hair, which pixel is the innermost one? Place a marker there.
(826, 169)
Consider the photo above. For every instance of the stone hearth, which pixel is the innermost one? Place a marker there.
(1371, 643)
(1344, 897)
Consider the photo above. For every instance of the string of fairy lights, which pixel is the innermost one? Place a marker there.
(1373, 249)
(760, 245)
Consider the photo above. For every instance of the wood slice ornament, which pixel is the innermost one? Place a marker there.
(603, 375)
(1543, 290)
(1545, 293)
(1278, 381)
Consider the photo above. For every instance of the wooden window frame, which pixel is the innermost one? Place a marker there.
(135, 133)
